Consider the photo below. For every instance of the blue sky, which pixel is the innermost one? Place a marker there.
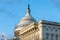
(11, 12)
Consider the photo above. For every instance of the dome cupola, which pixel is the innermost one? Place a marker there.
(26, 20)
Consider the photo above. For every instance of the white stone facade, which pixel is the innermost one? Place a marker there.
(50, 30)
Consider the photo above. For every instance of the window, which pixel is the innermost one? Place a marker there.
(56, 36)
(47, 29)
(53, 27)
(47, 35)
(59, 28)
(56, 30)
(52, 35)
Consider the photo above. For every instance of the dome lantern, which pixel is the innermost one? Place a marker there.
(28, 11)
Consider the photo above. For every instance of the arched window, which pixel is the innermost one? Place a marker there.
(47, 29)
(56, 36)
(56, 30)
(47, 35)
(52, 35)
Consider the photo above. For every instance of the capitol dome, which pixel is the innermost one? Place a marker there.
(26, 20)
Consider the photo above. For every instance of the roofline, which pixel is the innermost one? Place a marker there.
(49, 22)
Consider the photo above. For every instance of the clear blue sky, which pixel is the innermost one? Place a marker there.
(11, 11)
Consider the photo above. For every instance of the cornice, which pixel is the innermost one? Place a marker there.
(49, 23)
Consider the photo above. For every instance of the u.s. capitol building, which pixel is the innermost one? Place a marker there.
(29, 29)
